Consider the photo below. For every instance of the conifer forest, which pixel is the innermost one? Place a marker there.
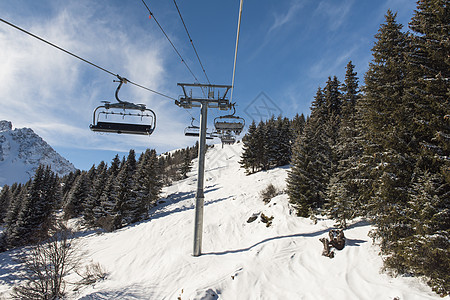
(379, 150)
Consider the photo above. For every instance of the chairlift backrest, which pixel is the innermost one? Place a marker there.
(228, 123)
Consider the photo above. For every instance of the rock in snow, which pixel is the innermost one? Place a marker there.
(22, 151)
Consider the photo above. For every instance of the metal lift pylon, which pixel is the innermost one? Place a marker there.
(187, 101)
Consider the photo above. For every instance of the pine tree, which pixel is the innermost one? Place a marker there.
(429, 86)
(5, 200)
(271, 143)
(104, 214)
(384, 121)
(17, 195)
(67, 184)
(147, 185)
(124, 202)
(283, 141)
(77, 196)
(261, 147)
(424, 251)
(53, 189)
(92, 201)
(309, 175)
(384, 113)
(344, 187)
(187, 163)
(116, 164)
(332, 119)
(34, 218)
(429, 64)
(332, 97)
(249, 156)
(194, 150)
(297, 125)
(162, 166)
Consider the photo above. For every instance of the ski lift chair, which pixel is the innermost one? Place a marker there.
(227, 123)
(140, 120)
(227, 139)
(193, 130)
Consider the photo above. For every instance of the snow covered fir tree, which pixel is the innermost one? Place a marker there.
(268, 144)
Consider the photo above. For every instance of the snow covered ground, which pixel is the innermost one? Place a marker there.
(153, 259)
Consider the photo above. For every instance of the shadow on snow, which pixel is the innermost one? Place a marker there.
(311, 234)
(349, 242)
(160, 211)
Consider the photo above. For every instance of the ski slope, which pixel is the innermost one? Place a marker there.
(153, 259)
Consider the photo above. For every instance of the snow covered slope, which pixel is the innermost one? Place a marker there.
(21, 152)
(153, 259)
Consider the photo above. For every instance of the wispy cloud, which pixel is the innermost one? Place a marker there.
(331, 65)
(280, 20)
(335, 11)
(285, 17)
(55, 94)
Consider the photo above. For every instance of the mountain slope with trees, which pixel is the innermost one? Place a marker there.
(383, 153)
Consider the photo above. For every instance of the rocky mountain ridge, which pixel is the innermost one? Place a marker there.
(22, 151)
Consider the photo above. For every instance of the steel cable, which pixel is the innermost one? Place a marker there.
(82, 59)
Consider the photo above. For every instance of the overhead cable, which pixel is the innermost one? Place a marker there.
(192, 42)
(167, 37)
(82, 59)
(236, 50)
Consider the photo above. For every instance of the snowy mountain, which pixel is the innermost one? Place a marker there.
(240, 259)
(21, 152)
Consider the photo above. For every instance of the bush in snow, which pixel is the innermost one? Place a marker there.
(46, 264)
(269, 192)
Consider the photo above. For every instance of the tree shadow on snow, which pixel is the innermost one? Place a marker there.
(354, 242)
(10, 267)
(360, 223)
(126, 293)
(349, 242)
(160, 211)
(180, 196)
(311, 234)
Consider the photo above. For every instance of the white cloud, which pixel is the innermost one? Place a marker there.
(332, 63)
(284, 18)
(335, 11)
(280, 20)
(55, 94)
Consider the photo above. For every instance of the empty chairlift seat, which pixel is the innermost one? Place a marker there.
(123, 117)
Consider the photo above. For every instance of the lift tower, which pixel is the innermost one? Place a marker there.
(216, 97)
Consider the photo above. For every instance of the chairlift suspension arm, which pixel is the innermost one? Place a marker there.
(122, 80)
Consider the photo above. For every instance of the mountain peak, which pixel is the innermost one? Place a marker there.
(5, 125)
(21, 153)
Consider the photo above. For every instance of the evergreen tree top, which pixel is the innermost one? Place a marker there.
(389, 40)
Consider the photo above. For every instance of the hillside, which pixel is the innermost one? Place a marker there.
(153, 259)
(21, 153)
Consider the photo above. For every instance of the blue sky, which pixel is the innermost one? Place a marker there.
(287, 49)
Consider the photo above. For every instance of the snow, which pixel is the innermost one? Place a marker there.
(240, 260)
(22, 151)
